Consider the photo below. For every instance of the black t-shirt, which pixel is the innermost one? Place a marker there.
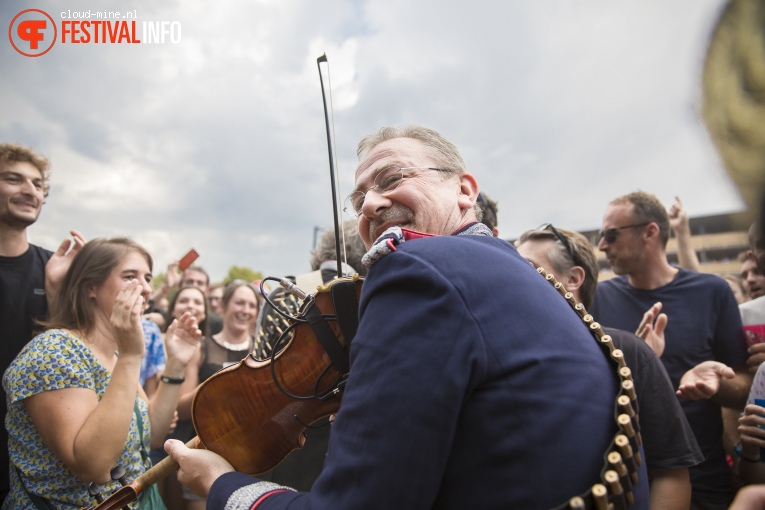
(22, 302)
(668, 441)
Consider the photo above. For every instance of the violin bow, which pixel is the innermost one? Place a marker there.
(332, 172)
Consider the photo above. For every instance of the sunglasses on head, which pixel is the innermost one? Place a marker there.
(567, 245)
(562, 239)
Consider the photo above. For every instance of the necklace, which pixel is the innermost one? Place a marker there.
(233, 347)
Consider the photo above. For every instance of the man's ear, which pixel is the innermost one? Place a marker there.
(651, 230)
(574, 278)
(468, 191)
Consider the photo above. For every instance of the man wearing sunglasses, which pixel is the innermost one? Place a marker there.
(472, 383)
(668, 441)
(704, 326)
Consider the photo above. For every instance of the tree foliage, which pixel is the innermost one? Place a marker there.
(242, 273)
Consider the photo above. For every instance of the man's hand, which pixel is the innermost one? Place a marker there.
(750, 427)
(678, 220)
(756, 357)
(678, 217)
(59, 263)
(173, 275)
(651, 328)
(171, 281)
(198, 468)
(703, 380)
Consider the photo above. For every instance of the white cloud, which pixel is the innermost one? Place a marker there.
(218, 142)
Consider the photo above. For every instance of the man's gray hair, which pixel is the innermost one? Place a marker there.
(353, 248)
(443, 151)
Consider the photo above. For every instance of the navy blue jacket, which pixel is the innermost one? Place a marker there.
(473, 384)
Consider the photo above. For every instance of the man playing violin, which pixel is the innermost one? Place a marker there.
(473, 383)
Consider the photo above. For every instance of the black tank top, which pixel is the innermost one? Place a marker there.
(215, 357)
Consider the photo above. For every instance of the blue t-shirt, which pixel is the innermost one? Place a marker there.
(704, 324)
(154, 360)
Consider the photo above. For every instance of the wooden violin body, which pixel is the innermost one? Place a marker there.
(245, 416)
(242, 414)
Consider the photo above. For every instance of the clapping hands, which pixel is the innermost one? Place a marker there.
(182, 339)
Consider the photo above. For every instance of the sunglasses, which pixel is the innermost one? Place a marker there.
(576, 258)
(567, 245)
(563, 240)
(610, 235)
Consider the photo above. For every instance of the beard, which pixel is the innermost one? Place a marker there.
(397, 214)
(11, 218)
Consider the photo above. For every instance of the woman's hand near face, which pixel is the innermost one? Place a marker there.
(126, 320)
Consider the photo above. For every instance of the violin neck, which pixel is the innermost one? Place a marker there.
(130, 492)
(157, 472)
(160, 470)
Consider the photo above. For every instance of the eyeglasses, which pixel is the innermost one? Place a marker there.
(609, 235)
(385, 183)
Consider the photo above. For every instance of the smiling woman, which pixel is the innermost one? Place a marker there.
(76, 408)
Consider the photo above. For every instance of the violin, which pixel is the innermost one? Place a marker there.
(255, 412)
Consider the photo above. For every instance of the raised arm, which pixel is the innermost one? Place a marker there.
(171, 282)
(679, 222)
(182, 345)
(59, 263)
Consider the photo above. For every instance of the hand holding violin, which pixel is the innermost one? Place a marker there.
(198, 468)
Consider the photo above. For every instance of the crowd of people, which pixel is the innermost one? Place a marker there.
(473, 371)
(115, 363)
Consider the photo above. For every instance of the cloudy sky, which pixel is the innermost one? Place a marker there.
(218, 142)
